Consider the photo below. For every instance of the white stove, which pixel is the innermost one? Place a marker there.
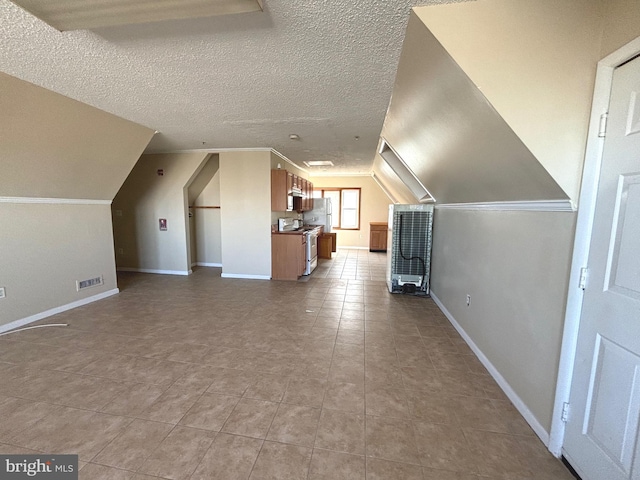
(312, 250)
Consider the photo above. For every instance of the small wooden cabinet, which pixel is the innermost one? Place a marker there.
(288, 255)
(325, 245)
(378, 236)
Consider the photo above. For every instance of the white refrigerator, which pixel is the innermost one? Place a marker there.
(320, 215)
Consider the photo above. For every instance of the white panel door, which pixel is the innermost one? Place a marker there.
(601, 439)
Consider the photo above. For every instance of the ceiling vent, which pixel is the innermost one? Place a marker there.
(405, 174)
(319, 163)
(80, 15)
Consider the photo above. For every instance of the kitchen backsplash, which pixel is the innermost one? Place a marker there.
(276, 215)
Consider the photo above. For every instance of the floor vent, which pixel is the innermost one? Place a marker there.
(92, 282)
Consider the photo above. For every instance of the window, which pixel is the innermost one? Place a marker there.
(345, 204)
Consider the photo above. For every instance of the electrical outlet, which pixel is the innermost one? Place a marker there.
(468, 300)
(2, 292)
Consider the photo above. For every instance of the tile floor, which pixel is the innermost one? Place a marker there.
(201, 377)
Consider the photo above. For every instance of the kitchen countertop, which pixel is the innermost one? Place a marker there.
(300, 231)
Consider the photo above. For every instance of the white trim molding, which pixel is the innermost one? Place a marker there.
(504, 385)
(283, 157)
(383, 188)
(204, 264)
(54, 201)
(226, 150)
(54, 311)
(245, 276)
(584, 230)
(528, 206)
(150, 270)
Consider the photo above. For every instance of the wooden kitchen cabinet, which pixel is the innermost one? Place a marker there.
(309, 196)
(378, 236)
(282, 184)
(288, 255)
(280, 188)
(302, 182)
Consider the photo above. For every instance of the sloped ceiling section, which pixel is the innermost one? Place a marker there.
(54, 147)
(444, 129)
(389, 181)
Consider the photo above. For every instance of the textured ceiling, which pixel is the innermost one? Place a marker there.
(323, 70)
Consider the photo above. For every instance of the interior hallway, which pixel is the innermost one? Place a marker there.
(201, 377)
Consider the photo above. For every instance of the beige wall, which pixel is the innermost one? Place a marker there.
(144, 198)
(535, 63)
(46, 248)
(515, 266)
(621, 24)
(374, 206)
(204, 225)
(285, 165)
(53, 146)
(245, 200)
(208, 233)
(76, 157)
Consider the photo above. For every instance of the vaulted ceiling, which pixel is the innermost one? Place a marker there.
(323, 71)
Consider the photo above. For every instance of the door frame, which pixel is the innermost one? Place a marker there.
(582, 239)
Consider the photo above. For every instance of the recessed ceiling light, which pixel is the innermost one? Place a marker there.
(319, 163)
(294, 136)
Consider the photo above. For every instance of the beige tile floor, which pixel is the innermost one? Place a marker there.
(201, 377)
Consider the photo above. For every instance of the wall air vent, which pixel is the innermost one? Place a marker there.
(404, 173)
(92, 282)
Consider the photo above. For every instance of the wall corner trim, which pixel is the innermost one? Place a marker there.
(159, 272)
(54, 201)
(291, 162)
(246, 276)
(504, 385)
(54, 311)
(528, 205)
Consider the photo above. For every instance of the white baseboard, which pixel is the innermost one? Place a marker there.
(203, 264)
(504, 385)
(159, 272)
(54, 311)
(346, 247)
(245, 276)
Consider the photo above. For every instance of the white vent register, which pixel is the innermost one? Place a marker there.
(91, 282)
